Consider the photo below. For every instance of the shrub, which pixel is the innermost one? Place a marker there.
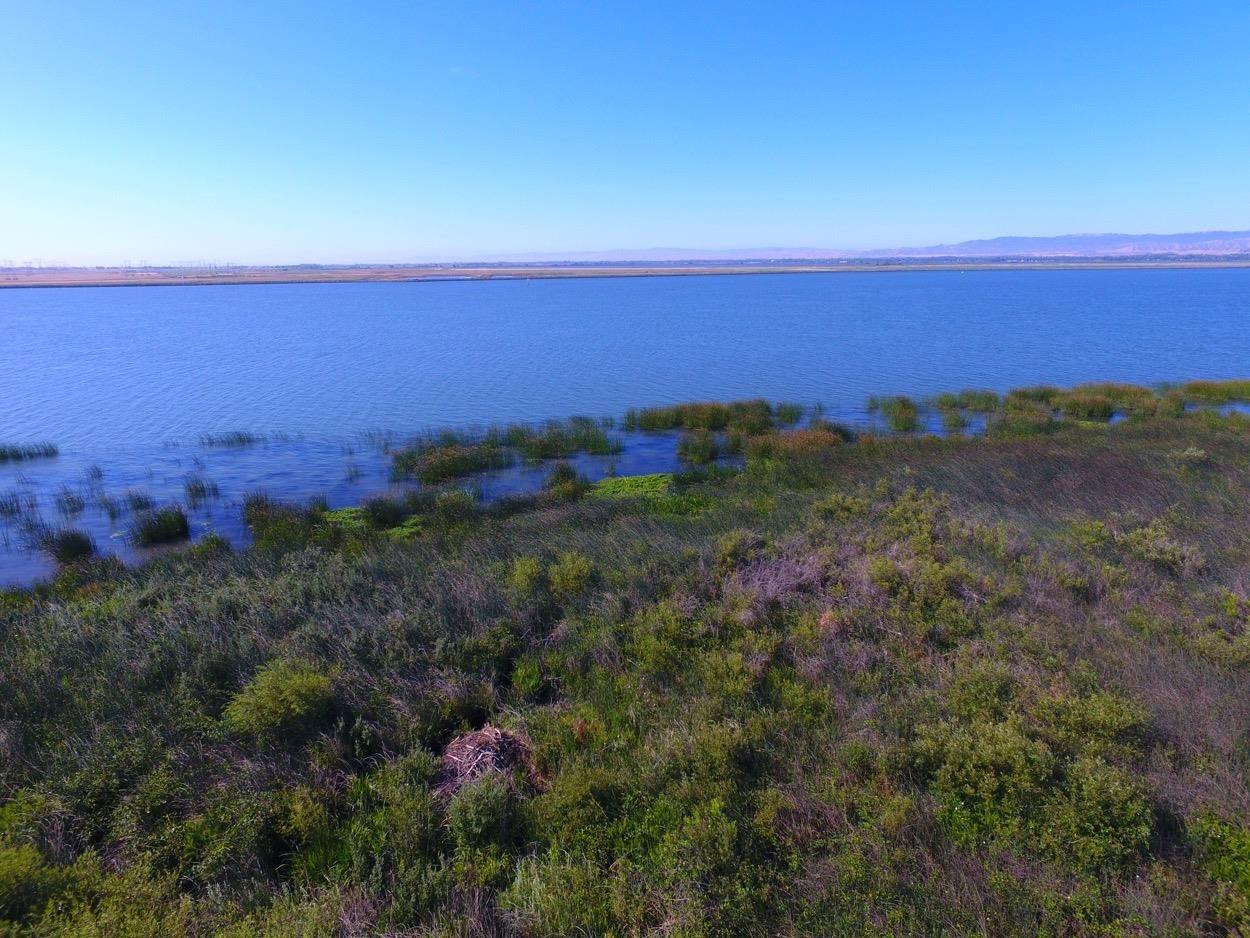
(987, 777)
(27, 881)
(569, 575)
(1223, 850)
(281, 694)
(526, 576)
(1101, 820)
(69, 545)
(160, 526)
(480, 814)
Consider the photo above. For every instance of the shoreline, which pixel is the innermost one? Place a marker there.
(429, 273)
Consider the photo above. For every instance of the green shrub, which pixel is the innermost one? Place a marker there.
(988, 778)
(281, 694)
(27, 881)
(1099, 822)
(526, 577)
(1223, 851)
(480, 815)
(569, 575)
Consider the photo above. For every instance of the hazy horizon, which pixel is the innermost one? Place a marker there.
(402, 133)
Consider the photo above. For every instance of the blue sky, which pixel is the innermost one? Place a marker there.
(322, 132)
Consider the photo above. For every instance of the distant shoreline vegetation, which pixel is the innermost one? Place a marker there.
(238, 275)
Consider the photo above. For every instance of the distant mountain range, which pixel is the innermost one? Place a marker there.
(1198, 243)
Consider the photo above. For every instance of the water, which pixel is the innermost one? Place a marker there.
(128, 380)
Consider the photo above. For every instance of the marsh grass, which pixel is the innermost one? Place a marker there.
(19, 452)
(199, 489)
(901, 413)
(68, 545)
(1086, 405)
(160, 526)
(232, 439)
(70, 503)
(748, 417)
(138, 500)
(1216, 392)
(973, 399)
(698, 446)
(447, 458)
(15, 505)
(559, 439)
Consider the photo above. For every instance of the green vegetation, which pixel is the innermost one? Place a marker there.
(901, 413)
(748, 417)
(450, 455)
(698, 446)
(160, 526)
(556, 440)
(909, 685)
(18, 452)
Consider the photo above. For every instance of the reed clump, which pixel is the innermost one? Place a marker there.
(19, 452)
(160, 526)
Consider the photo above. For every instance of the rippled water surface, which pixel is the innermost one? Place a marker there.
(127, 380)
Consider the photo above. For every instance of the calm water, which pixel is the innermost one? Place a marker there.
(127, 380)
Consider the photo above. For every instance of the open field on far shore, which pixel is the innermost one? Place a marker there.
(199, 276)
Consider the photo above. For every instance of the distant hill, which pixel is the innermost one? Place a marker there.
(1201, 243)
(1086, 245)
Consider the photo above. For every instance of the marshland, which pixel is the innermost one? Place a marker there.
(844, 681)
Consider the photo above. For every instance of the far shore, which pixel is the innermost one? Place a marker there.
(235, 275)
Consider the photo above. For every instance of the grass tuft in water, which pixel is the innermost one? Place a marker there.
(160, 526)
(200, 489)
(18, 452)
(698, 446)
(233, 439)
(68, 545)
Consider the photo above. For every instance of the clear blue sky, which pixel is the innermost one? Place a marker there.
(267, 132)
